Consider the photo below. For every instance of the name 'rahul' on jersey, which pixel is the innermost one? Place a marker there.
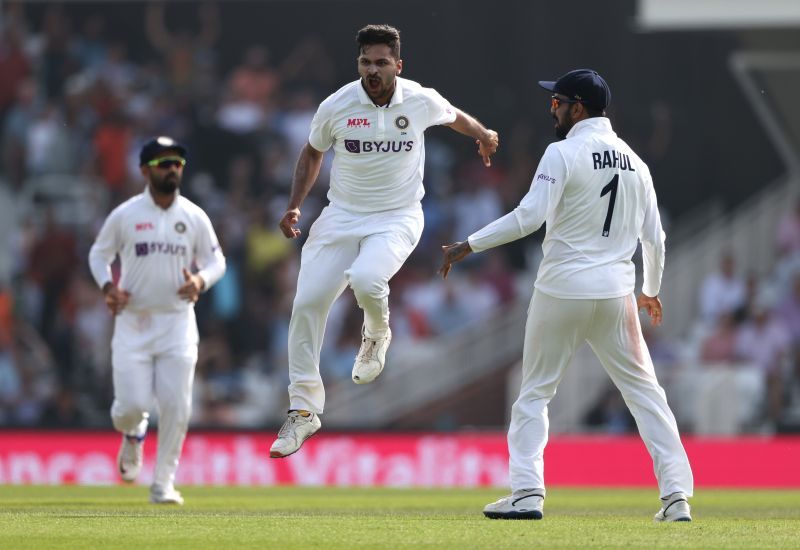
(612, 159)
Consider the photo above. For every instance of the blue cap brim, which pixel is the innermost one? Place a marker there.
(549, 85)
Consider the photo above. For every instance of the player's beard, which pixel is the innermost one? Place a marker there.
(168, 184)
(564, 125)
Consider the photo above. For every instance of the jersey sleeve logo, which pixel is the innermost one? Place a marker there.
(401, 122)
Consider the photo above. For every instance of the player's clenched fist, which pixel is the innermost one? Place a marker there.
(487, 146)
(116, 299)
(288, 221)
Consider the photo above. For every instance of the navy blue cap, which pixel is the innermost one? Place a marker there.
(584, 85)
(157, 145)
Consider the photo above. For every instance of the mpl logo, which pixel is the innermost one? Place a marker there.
(352, 145)
(144, 226)
(358, 123)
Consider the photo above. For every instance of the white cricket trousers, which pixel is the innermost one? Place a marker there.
(154, 355)
(362, 250)
(554, 330)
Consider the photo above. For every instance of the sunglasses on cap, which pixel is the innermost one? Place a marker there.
(168, 162)
(555, 101)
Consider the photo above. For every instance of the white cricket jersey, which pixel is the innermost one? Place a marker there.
(379, 151)
(154, 246)
(597, 198)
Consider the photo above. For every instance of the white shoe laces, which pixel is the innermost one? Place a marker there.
(369, 349)
(288, 427)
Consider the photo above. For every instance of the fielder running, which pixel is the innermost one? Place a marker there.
(597, 198)
(158, 236)
(376, 126)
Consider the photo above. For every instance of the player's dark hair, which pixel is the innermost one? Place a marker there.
(592, 112)
(379, 34)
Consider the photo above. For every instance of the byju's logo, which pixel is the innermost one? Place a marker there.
(142, 249)
(357, 146)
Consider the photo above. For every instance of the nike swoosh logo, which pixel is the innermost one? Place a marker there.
(514, 502)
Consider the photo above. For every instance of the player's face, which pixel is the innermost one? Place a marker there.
(562, 114)
(165, 172)
(378, 70)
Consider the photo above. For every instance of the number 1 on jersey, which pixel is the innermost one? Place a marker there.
(611, 187)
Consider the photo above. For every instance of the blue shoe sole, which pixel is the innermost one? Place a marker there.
(533, 514)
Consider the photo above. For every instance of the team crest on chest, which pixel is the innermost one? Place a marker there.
(180, 227)
(401, 122)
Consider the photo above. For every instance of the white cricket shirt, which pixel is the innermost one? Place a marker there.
(154, 246)
(379, 151)
(597, 198)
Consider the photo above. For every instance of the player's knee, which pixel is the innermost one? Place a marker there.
(126, 416)
(366, 283)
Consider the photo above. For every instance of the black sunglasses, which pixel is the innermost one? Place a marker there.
(556, 101)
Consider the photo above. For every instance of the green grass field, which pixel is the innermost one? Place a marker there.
(288, 517)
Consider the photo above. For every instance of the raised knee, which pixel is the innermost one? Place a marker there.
(365, 283)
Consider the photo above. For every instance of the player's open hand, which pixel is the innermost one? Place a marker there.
(191, 287)
(288, 222)
(652, 306)
(488, 146)
(453, 253)
(116, 299)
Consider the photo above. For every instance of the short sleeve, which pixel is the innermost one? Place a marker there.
(439, 109)
(320, 136)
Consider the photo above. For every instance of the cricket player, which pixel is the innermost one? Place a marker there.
(598, 200)
(159, 235)
(376, 127)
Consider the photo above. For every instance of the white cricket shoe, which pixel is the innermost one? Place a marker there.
(675, 507)
(524, 504)
(293, 433)
(371, 357)
(129, 459)
(165, 495)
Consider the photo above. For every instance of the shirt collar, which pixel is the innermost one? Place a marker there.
(594, 124)
(397, 96)
(152, 201)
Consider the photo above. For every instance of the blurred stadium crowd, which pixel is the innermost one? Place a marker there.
(75, 110)
(75, 107)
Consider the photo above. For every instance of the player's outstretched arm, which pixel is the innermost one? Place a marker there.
(305, 175)
(453, 253)
(487, 140)
(653, 307)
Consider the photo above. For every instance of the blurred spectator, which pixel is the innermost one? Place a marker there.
(788, 311)
(53, 257)
(765, 342)
(19, 118)
(787, 237)
(610, 414)
(719, 346)
(250, 93)
(189, 57)
(62, 410)
(14, 66)
(722, 291)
